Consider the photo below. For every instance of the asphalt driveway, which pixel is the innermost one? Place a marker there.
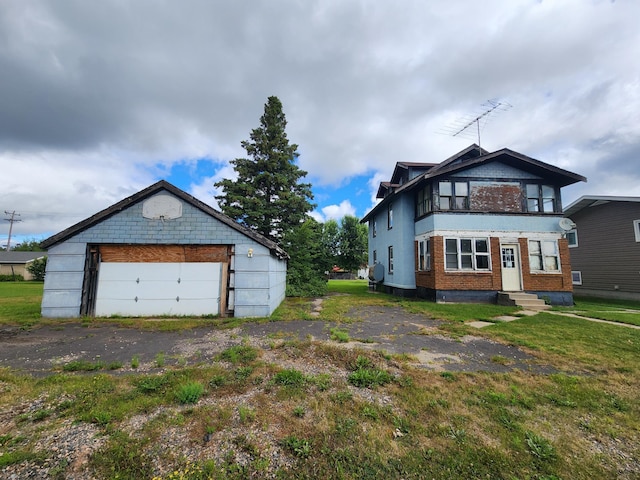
(44, 350)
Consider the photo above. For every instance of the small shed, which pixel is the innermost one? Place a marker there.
(162, 252)
(15, 263)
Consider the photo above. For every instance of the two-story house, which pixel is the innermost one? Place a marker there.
(477, 224)
(605, 246)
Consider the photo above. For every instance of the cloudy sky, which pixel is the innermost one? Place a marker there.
(101, 99)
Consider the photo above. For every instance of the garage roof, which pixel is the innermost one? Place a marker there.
(150, 191)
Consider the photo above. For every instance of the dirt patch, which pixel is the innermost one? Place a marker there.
(45, 349)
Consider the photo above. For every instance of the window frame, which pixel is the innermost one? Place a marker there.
(374, 227)
(473, 254)
(390, 259)
(453, 197)
(375, 256)
(636, 229)
(542, 254)
(541, 198)
(573, 233)
(424, 204)
(424, 255)
(576, 277)
(390, 216)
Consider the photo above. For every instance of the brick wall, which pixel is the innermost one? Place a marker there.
(440, 279)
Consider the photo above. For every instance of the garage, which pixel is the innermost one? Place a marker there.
(162, 252)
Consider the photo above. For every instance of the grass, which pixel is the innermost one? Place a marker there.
(612, 310)
(302, 409)
(20, 302)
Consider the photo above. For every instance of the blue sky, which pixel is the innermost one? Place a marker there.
(351, 196)
(102, 99)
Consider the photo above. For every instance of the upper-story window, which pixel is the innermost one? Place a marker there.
(572, 238)
(636, 229)
(390, 216)
(423, 201)
(453, 195)
(541, 198)
(374, 227)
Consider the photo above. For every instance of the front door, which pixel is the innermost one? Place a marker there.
(510, 268)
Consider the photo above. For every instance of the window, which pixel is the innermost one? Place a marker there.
(390, 216)
(375, 257)
(541, 198)
(572, 238)
(424, 254)
(467, 254)
(374, 227)
(576, 278)
(390, 259)
(636, 229)
(543, 256)
(423, 201)
(454, 195)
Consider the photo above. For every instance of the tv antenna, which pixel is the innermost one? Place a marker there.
(462, 126)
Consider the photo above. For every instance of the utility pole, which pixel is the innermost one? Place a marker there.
(11, 221)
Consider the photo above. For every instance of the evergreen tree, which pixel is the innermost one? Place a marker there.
(305, 269)
(268, 195)
(353, 243)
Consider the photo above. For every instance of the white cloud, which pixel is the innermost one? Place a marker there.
(100, 100)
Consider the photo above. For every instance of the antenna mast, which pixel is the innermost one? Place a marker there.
(461, 125)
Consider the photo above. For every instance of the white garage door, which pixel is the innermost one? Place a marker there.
(138, 289)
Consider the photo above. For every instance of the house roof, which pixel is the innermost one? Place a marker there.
(474, 155)
(595, 200)
(402, 166)
(20, 258)
(150, 191)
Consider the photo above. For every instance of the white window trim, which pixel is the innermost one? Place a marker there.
(575, 232)
(423, 252)
(474, 254)
(636, 229)
(577, 281)
(542, 254)
(390, 259)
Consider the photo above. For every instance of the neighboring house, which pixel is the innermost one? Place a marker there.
(605, 246)
(15, 263)
(474, 225)
(162, 252)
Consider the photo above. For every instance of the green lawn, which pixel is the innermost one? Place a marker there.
(338, 412)
(20, 302)
(623, 311)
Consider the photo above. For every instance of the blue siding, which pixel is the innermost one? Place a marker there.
(262, 283)
(401, 237)
(496, 170)
(439, 223)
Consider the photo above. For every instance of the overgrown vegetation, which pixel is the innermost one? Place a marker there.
(302, 409)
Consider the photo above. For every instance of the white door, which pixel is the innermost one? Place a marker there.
(510, 268)
(137, 289)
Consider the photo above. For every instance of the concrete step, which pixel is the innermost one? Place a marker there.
(527, 301)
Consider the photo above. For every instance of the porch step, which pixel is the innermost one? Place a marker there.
(528, 301)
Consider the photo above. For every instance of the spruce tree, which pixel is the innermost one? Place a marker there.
(268, 195)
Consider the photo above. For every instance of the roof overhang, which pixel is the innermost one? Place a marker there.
(273, 247)
(587, 201)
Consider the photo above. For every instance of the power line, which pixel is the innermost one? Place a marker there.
(11, 221)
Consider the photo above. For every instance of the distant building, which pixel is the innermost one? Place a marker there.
(605, 246)
(16, 263)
